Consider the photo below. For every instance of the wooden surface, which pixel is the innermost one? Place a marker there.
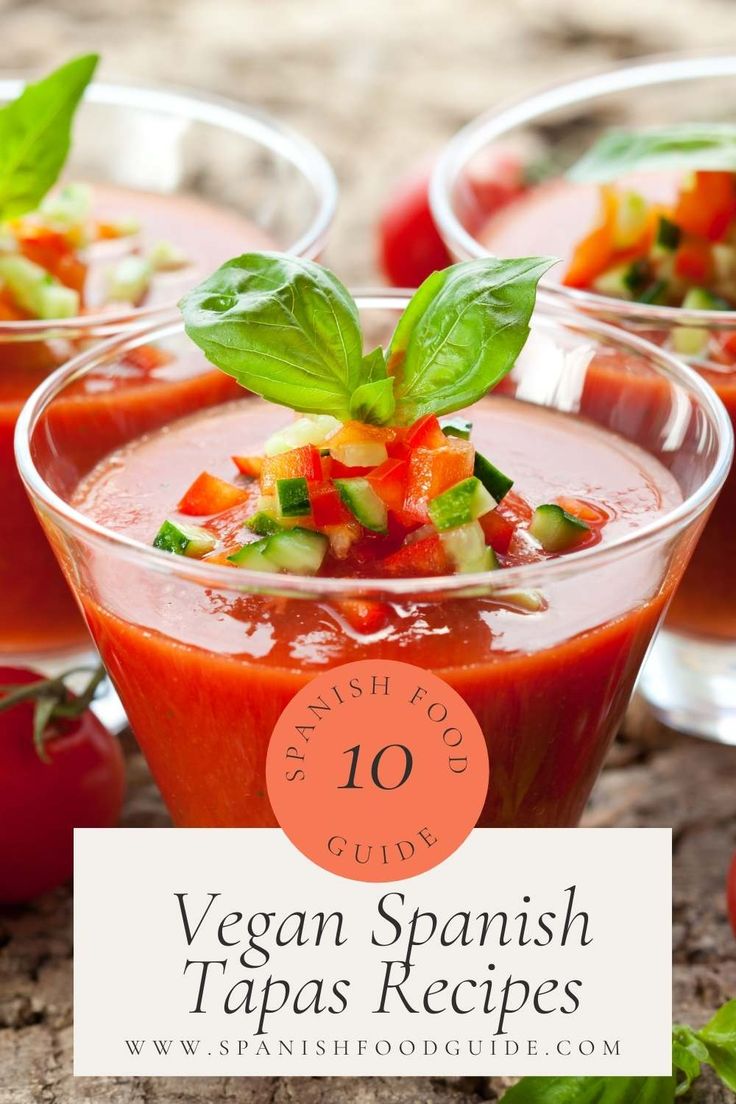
(376, 86)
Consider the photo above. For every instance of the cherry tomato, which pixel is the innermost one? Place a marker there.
(731, 894)
(409, 244)
(80, 786)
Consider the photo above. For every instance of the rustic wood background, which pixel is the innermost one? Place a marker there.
(377, 85)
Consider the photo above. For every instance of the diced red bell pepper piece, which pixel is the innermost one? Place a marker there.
(694, 261)
(345, 471)
(707, 209)
(498, 531)
(358, 433)
(249, 465)
(389, 481)
(432, 471)
(327, 506)
(594, 254)
(365, 616)
(209, 494)
(425, 433)
(422, 557)
(304, 463)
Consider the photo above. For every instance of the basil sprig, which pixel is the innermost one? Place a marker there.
(684, 146)
(35, 135)
(289, 330)
(714, 1045)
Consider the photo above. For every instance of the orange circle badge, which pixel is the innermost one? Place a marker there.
(377, 770)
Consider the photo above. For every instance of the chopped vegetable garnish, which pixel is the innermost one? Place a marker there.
(338, 496)
(678, 255)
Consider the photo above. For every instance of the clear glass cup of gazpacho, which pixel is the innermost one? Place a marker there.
(207, 647)
(629, 178)
(159, 186)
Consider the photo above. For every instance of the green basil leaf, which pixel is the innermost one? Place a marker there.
(461, 333)
(35, 135)
(374, 366)
(283, 327)
(688, 1055)
(373, 402)
(592, 1090)
(719, 1037)
(686, 146)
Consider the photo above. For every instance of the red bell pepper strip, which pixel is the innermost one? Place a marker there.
(389, 481)
(422, 557)
(327, 506)
(209, 494)
(299, 463)
(425, 433)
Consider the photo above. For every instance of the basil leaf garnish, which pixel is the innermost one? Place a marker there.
(288, 330)
(374, 402)
(592, 1090)
(285, 328)
(461, 333)
(35, 135)
(685, 146)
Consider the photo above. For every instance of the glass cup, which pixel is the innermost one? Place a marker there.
(206, 657)
(213, 177)
(690, 678)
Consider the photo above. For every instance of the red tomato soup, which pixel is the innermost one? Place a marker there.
(552, 218)
(205, 671)
(37, 612)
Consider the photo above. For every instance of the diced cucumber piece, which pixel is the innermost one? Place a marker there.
(495, 482)
(668, 234)
(312, 430)
(555, 529)
(298, 551)
(262, 523)
(467, 549)
(184, 540)
(631, 218)
(292, 497)
(613, 283)
(36, 290)
(655, 293)
(689, 341)
(129, 280)
(461, 504)
(637, 276)
(69, 206)
(254, 556)
(164, 256)
(701, 299)
(454, 426)
(363, 454)
(363, 503)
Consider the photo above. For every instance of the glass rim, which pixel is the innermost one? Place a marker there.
(497, 122)
(238, 118)
(525, 576)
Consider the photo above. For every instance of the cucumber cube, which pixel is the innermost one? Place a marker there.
(129, 280)
(254, 557)
(363, 503)
(455, 426)
(292, 497)
(184, 540)
(668, 234)
(466, 548)
(36, 290)
(298, 551)
(263, 524)
(495, 482)
(461, 504)
(312, 430)
(555, 529)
